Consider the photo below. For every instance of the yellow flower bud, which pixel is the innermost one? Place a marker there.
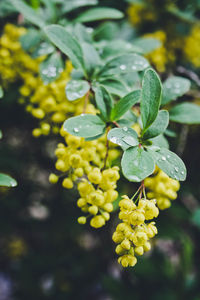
(81, 202)
(93, 209)
(126, 244)
(53, 178)
(82, 220)
(97, 221)
(67, 183)
(139, 250)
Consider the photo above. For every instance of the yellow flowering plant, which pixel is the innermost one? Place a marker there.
(110, 108)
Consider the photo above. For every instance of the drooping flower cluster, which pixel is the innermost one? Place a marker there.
(161, 56)
(14, 62)
(133, 234)
(162, 188)
(139, 12)
(191, 48)
(84, 164)
(48, 102)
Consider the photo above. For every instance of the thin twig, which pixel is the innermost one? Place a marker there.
(107, 148)
(116, 124)
(192, 75)
(86, 101)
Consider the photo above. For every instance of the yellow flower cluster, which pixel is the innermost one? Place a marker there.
(48, 102)
(139, 12)
(14, 62)
(191, 48)
(160, 56)
(162, 188)
(83, 163)
(133, 234)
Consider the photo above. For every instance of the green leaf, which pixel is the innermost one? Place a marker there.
(147, 44)
(186, 16)
(6, 180)
(31, 39)
(1, 92)
(1, 134)
(123, 64)
(124, 104)
(151, 96)
(29, 13)
(76, 89)
(117, 47)
(174, 87)
(82, 34)
(137, 164)
(66, 43)
(170, 163)
(51, 68)
(99, 13)
(43, 48)
(124, 137)
(69, 5)
(85, 126)
(160, 141)
(185, 113)
(91, 58)
(115, 86)
(158, 126)
(196, 217)
(170, 133)
(104, 102)
(105, 31)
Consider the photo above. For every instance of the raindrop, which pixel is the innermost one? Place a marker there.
(168, 156)
(113, 140)
(177, 85)
(182, 172)
(123, 67)
(76, 129)
(134, 68)
(163, 158)
(125, 128)
(176, 169)
(168, 86)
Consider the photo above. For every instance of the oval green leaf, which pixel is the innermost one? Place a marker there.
(174, 87)
(99, 13)
(104, 102)
(170, 163)
(137, 164)
(76, 89)
(123, 64)
(124, 137)
(151, 96)
(85, 125)
(158, 126)
(124, 104)
(51, 68)
(185, 113)
(6, 180)
(66, 43)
